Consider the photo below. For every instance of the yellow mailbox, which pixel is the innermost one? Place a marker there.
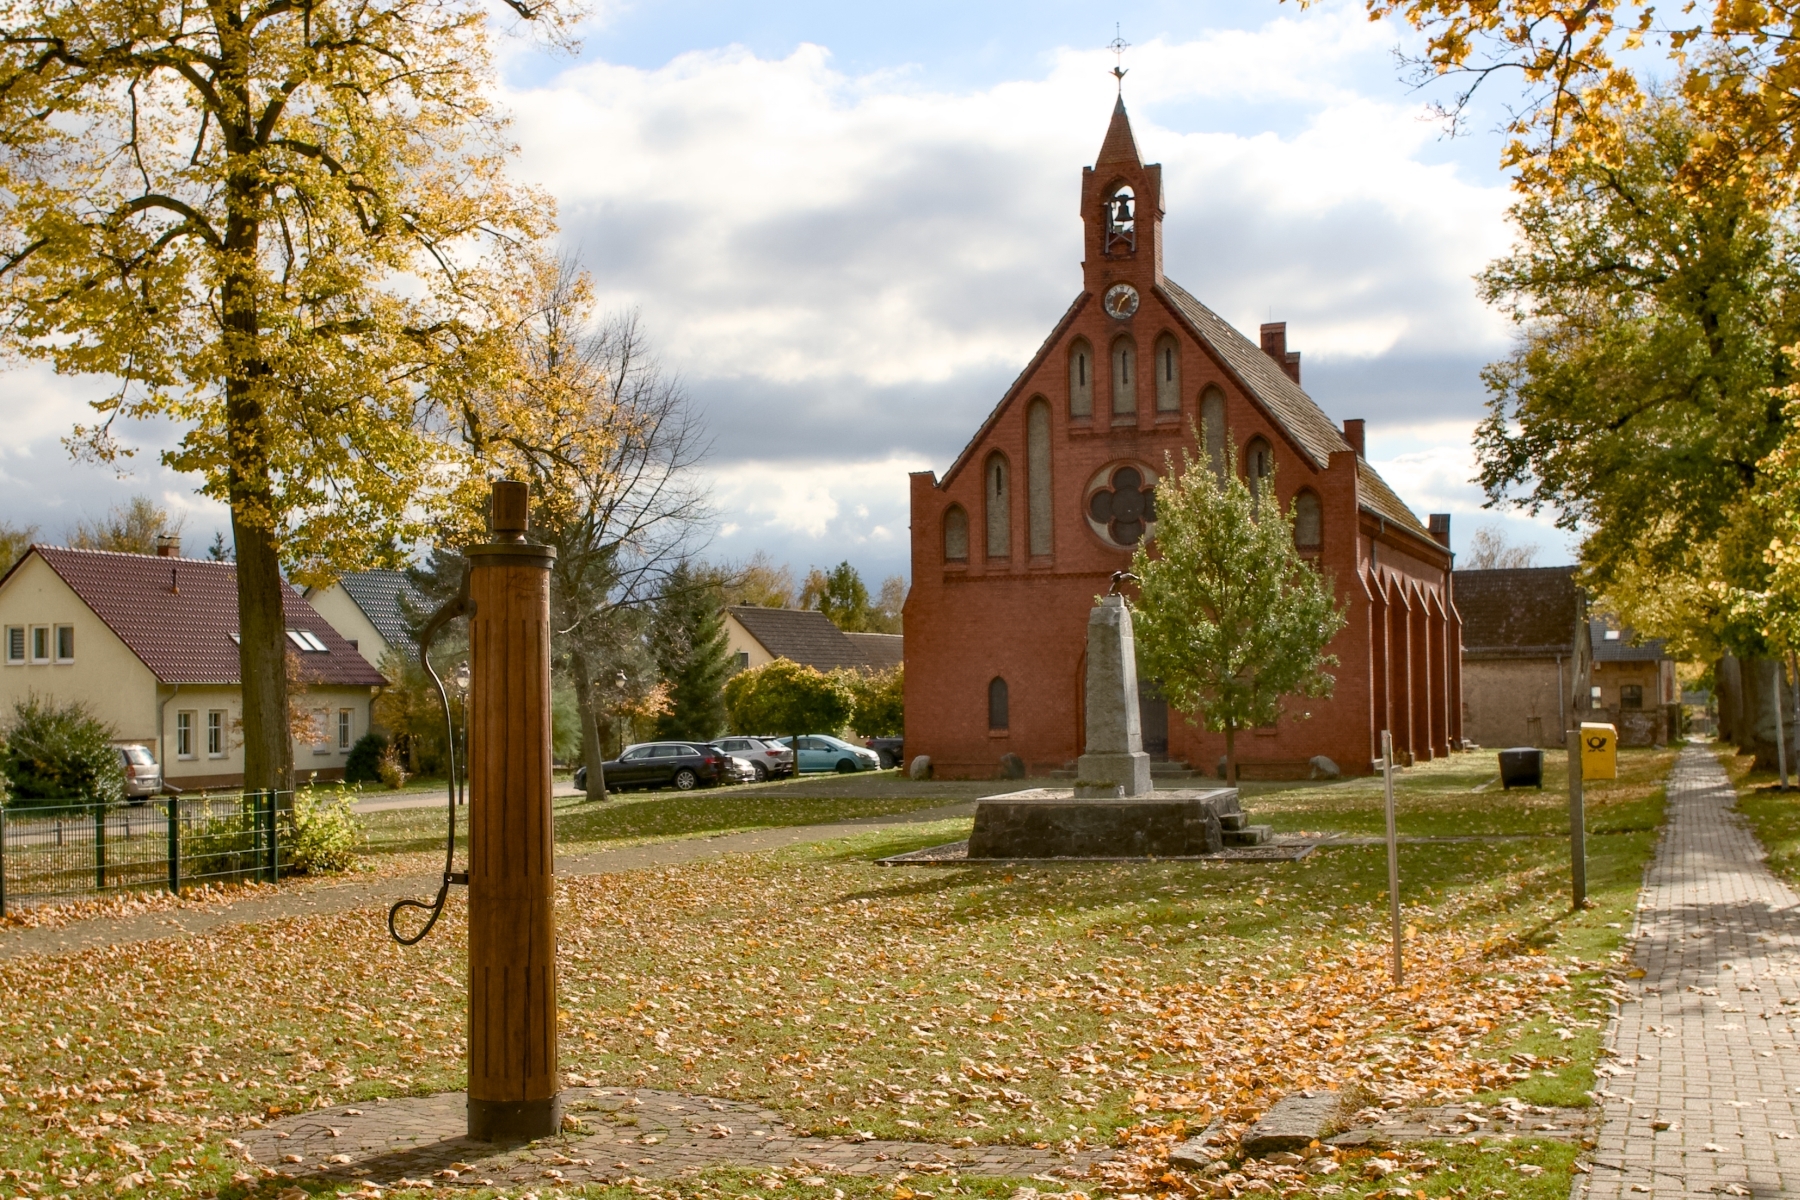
(1599, 751)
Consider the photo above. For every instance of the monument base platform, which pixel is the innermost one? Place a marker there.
(1055, 823)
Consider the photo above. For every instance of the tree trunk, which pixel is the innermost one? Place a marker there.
(593, 755)
(262, 621)
(1230, 753)
(1728, 696)
(1761, 691)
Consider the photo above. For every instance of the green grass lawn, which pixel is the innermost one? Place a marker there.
(1057, 1005)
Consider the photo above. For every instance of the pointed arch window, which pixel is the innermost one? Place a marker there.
(998, 716)
(1168, 375)
(1212, 428)
(1081, 379)
(1124, 378)
(956, 534)
(1309, 522)
(997, 494)
(1037, 476)
(1259, 465)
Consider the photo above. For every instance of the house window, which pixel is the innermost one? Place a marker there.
(997, 706)
(65, 643)
(321, 741)
(956, 535)
(1309, 531)
(215, 733)
(15, 644)
(184, 734)
(346, 726)
(743, 660)
(1631, 695)
(40, 643)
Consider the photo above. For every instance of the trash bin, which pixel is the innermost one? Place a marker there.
(1522, 766)
(1599, 751)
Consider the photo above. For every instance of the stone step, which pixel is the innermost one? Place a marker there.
(1170, 767)
(1232, 822)
(1249, 835)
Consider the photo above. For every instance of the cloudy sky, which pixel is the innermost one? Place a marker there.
(847, 228)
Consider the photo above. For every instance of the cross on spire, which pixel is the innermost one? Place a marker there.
(1118, 46)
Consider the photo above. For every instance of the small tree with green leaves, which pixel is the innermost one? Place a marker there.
(56, 754)
(785, 697)
(878, 702)
(1231, 617)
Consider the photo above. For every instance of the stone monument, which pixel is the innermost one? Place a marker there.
(1115, 739)
(1113, 810)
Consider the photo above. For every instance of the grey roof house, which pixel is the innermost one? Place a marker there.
(366, 608)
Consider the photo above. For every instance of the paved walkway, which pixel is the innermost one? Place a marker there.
(623, 1132)
(1706, 1099)
(334, 898)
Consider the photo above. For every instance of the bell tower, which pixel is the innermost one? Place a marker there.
(1122, 211)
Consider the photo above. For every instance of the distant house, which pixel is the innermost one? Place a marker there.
(367, 609)
(759, 635)
(1634, 684)
(1526, 655)
(148, 643)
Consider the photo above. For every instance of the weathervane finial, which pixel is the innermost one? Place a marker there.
(1118, 46)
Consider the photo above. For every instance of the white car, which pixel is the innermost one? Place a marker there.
(739, 770)
(768, 759)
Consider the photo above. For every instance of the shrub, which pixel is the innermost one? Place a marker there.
(221, 848)
(783, 697)
(879, 702)
(390, 769)
(323, 831)
(56, 752)
(363, 765)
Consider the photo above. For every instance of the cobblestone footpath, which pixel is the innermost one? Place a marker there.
(1702, 1094)
(623, 1133)
(335, 898)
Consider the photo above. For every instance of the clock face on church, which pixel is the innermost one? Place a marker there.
(1121, 301)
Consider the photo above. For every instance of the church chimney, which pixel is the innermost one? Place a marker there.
(1440, 527)
(1274, 344)
(1353, 433)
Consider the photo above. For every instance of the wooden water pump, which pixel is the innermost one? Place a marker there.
(514, 1092)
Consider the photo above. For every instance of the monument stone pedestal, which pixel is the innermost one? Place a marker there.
(1113, 810)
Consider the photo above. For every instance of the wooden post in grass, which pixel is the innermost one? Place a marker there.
(1393, 847)
(514, 1092)
(1577, 825)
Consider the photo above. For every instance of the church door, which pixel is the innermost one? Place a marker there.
(1153, 718)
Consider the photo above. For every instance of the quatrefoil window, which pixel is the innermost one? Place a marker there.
(1121, 504)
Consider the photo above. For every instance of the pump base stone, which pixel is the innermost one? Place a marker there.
(1055, 823)
(515, 1120)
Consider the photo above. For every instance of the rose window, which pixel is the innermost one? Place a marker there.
(1121, 504)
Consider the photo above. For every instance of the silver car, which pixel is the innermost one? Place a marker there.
(766, 758)
(143, 778)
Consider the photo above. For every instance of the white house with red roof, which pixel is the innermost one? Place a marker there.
(148, 643)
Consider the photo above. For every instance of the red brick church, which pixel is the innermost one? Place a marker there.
(1047, 500)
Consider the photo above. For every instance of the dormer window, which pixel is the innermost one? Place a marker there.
(307, 641)
(1121, 221)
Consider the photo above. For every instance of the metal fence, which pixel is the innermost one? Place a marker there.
(80, 849)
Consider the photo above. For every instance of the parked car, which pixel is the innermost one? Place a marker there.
(143, 778)
(770, 759)
(892, 751)
(680, 765)
(819, 752)
(739, 770)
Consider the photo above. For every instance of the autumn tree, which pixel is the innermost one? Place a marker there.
(14, 541)
(130, 528)
(608, 442)
(285, 226)
(1230, 618)
(1644, 395)
(761, 582)
(878, 702)
(1489, 550)
(784, 697)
